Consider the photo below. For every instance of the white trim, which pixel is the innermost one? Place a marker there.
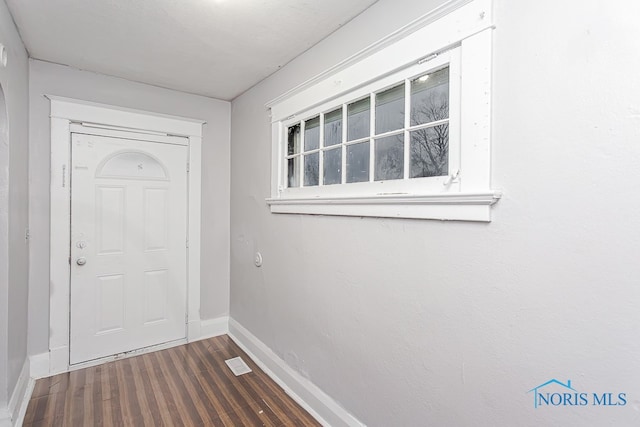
(64, 112)
(78, 110)
(320, 405)
(399, 34)
(475, 128)
(5, 418)
(58, 360)
(84, 129)
(452, 206)
(210, 328)
(21, 394)
(193, 235)
(457, 35)
(193, 330)
(39, 365)
(420, 39)
(24, 403)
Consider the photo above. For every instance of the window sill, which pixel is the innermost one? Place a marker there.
(456, 207)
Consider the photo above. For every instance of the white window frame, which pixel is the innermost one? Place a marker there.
(457, 34)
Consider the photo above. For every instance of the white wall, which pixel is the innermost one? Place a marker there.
(13, 210)
(52, 79)
(407, 322)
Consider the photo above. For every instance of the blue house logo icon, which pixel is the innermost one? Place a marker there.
(538, 397)
(560, 394)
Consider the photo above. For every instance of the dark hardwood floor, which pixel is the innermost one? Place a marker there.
(189, 385)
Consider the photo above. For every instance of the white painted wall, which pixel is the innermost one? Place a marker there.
(13, 210)
(4, 248)
(407, 322)
(47, 78)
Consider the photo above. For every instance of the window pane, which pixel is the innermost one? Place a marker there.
(389, 157)
(293, 140)
(430, 97)
(333, 128)
(293, 172)
(358, 119)
(332, 166)
(390, 109)
(358, 162)
(311, 169)
(312, 134)
(430, 151)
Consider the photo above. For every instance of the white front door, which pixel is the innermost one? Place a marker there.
(128, 245)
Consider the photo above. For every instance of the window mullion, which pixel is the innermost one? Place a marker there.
(343, 146)
(320, 152)
(358, 141)
(407, 124)
(301, 169)
(372, 127)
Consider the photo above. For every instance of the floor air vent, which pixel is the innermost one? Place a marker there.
(237, 366)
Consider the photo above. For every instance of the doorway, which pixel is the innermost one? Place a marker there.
(128, 244)
(165, 293)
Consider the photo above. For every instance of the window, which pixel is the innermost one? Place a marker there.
(397, 131)
(405, 136)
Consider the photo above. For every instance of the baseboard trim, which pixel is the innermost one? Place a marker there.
(193, 330)
(214, 327)
(39, 365)
(58, 360)
(5, 418)
(326, 410)
(21, 395)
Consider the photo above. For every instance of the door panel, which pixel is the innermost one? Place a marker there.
(128, 245)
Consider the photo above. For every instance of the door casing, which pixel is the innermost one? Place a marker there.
(68, 114)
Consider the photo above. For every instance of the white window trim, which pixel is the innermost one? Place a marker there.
(462, 25)
(105, 118)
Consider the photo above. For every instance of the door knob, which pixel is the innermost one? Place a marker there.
(81, 261)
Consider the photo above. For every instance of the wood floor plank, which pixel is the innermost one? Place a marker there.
(116, 399)
(217, 393)
(105, 401)
(206, 411)
(87, 397)
(262, 389)
(148, 401)
(220, 376)
(34, 411)
(180, 413)
(95, 391)
(272, 394)
(189, 385)
(76, 407)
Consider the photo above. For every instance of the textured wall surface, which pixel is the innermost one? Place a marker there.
(14, 200)
(46, 78)
(409, 322)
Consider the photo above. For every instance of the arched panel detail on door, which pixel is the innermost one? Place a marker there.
(130, 164)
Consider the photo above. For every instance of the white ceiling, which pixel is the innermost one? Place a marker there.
(217, 48)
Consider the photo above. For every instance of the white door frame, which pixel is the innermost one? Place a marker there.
(64, 112)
